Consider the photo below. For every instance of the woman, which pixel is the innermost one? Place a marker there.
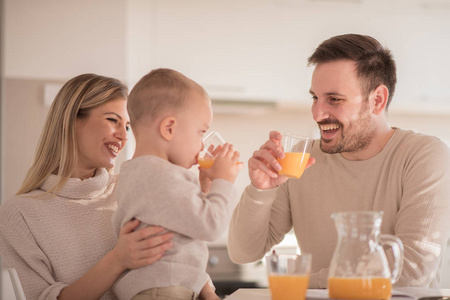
(57, 230)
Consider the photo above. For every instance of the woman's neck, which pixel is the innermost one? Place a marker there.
(83, 174)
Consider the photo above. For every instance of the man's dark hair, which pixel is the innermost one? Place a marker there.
(375, 64)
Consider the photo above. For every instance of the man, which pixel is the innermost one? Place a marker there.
(360, 164)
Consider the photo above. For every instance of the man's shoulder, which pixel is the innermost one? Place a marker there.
(407, 133)
(408, 139)
(410, 146)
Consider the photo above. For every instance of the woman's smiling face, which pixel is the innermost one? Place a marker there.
(101, 136)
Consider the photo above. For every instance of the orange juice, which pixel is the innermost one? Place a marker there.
(360, 288)
(205, 163)
(293, 164)
(288, 287)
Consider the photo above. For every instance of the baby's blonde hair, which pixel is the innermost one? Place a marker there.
(160, 91)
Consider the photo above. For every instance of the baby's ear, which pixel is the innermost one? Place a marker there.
(167, 128)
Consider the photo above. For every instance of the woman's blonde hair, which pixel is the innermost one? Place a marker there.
(57, 149)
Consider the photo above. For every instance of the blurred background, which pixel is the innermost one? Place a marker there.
(250, 56)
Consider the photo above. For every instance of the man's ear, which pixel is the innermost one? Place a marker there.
(380, 97)
(167, 127)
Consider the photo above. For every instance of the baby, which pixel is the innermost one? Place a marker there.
(169, 114)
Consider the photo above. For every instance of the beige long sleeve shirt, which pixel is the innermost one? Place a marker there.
(409, 180)
(54, 240)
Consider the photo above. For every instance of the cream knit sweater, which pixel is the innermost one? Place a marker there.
(54, 240)
(157, 192)
(409, 180)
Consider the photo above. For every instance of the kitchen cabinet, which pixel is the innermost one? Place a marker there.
(233, 48)
(257, 50)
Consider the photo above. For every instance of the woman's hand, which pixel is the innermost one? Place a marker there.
(135, 249)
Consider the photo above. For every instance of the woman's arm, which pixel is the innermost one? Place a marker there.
(133, 250)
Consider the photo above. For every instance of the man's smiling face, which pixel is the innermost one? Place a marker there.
(340, 109)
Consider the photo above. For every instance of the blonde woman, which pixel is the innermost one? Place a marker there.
(57, 230)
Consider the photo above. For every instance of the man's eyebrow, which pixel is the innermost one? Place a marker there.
(329, 94)
(334, 94)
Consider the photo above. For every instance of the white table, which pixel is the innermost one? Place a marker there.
(397, 293)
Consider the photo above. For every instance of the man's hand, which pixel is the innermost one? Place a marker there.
(263, 166)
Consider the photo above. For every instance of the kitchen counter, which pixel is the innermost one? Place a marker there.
(407, 293)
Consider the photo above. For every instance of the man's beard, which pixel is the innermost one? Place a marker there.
(357, 136)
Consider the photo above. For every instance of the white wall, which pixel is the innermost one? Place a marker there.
(55, 39)
(51, 40)
(1, 114)
(258, 49)
(237, 49)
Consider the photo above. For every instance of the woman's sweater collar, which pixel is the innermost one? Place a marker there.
(76, 188)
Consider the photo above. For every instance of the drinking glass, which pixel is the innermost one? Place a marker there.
(297, 150)
(288, 275)
(212, 143)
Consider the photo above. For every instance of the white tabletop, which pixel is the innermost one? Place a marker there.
(397, 293)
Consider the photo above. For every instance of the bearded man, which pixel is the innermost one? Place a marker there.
(361, 163)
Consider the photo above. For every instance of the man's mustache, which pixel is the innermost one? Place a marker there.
(329, 121)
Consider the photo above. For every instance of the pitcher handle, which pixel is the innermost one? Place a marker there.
(397, 249)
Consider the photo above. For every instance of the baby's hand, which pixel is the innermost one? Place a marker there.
(226, 164)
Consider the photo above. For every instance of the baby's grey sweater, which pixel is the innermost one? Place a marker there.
(158, 192)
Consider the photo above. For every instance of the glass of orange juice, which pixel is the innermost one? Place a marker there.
(212, 143)
(297, 150)
(288, 275)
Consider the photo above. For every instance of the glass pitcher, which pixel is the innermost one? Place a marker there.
(359, 268)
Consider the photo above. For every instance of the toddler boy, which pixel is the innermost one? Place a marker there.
(169, 113)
